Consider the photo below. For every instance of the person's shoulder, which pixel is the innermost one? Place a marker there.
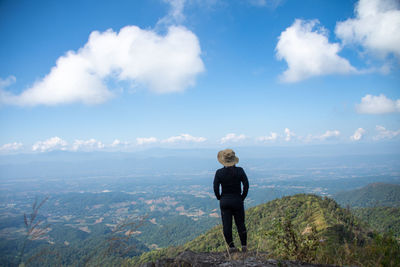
(219, 171)
(239, 168)
(240, 171)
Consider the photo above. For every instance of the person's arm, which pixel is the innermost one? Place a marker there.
(216, 187)
(245, 182)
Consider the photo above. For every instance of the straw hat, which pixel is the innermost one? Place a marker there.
(227, 157)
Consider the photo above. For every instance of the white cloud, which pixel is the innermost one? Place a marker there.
(383, 133)
(265, 3)
(307, 51)
(329, 135)
(163, 64)
(54, 143)
(271, 137)
(376, 27)
(184, 138)
(175, 14)
(259, 3)
(87, 145)
(288, 135)
(146, 140)
(117, 143)
(11, 147)
(358, 134)
(3, 84)
(232, 137)
(7, 81)
(377, 105)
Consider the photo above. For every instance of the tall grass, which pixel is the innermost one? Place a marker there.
(34, 230)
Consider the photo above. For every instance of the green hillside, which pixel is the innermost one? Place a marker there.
(319, 230)
(377, 204)
(303, 210)
(382, 219)
(372, 195)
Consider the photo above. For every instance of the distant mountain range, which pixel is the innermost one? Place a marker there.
(377, 204)
(166, 161)
(372, 195)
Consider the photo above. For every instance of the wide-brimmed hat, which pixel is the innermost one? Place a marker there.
(227, 157)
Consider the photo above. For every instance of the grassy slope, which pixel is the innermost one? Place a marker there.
(332, 223)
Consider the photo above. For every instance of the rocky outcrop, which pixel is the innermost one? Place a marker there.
(195, 259)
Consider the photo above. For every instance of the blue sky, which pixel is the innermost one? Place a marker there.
(126, 75)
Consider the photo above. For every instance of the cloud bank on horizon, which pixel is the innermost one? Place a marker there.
(231, 139)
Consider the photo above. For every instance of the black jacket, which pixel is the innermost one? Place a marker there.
(230, 179)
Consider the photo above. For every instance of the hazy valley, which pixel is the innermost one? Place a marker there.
(169, 205)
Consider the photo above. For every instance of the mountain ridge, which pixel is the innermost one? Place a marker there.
(315, 219)
(372, 195)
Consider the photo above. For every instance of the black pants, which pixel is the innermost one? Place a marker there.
(232, 206)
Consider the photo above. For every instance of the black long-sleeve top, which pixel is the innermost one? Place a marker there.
(230, 179)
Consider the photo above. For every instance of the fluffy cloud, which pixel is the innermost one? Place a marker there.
(328, 135)
(54, 143)
(306, 49)
(377, 105)
(164, 64)
(376, 27)
(184, 138)
(11, 147)
(117, 143)
(383, 133)
(358, 134)
(288, 134)
(271, 137)
(232, 137)
(146, 140)
(91, 144)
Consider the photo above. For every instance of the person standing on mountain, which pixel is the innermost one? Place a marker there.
(232, 197)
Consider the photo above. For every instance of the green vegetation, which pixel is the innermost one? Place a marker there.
(33, 227)
(377, 204)
(78, 229)
(286, 242)
(301, 227)
(372, 195)
(174, 230)
(103, 247)
(381, 219)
